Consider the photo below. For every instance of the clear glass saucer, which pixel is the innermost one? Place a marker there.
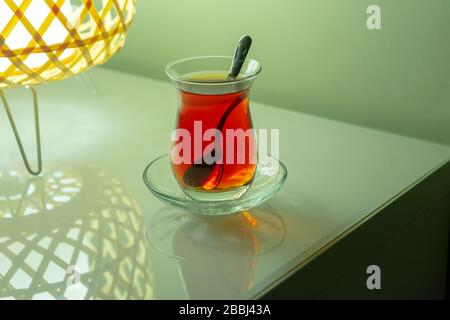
(270, 177)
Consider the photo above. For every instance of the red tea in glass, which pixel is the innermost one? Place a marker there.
(214, 153)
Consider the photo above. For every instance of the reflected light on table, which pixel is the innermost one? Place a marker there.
(250, 219)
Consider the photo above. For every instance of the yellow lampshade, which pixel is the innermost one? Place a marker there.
(48, 40)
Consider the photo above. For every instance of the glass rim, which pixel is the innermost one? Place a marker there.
(179, 79)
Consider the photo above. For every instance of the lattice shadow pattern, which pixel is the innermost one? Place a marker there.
(66, 219)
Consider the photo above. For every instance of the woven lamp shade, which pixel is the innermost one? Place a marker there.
(48, 40)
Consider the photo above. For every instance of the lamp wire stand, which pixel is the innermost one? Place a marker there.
(16, 132)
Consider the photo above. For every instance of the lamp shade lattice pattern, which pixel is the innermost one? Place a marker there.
(49, 40)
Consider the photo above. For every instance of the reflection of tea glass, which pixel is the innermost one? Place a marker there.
(216, 254)
(214, 152)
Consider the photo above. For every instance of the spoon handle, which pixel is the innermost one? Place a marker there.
(240, 53)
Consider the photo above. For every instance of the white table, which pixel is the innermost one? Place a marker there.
(90, 208)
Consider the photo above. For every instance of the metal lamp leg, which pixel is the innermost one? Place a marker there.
(16, 133)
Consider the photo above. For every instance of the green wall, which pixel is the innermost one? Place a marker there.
(318, 55)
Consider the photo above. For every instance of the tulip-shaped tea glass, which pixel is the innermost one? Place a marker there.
(214, 150)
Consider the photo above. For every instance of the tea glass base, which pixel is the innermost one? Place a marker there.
(232, 194)
(269, 178)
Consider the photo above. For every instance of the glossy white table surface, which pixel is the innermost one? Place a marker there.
(88, 212)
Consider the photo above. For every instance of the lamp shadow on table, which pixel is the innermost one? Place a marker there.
(73, 233)
(217, 255)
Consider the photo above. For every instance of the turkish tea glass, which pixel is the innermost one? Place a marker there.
(214, 150)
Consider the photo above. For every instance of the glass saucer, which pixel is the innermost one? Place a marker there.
(269, 178)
